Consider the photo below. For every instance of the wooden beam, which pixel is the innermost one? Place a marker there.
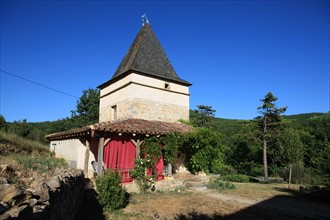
(106, 141)
(100, 156)
(137, 143)
(86, 158)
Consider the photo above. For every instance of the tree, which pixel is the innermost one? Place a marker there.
(269, 122)
(21, 128)
(87, 108)
(3, 123)
(203, 115)
(203, 150)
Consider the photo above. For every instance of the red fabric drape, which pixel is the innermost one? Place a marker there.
(119, 155)
(159, 169)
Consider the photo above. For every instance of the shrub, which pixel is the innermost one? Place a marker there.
(303, 175)
(238, 178)
(111, 195)
(226, 170)
(218, 184)
(251, 168)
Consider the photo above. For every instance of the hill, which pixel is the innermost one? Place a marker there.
(304, 117)
(22, 160)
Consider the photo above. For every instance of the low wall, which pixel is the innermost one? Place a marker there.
(58, 197)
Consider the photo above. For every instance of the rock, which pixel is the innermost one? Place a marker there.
(26, 181)
(3, 208)
(54, 183)
(31, 202)
(43, 192)
(3, 168)
(3, 180)
(182, 169)
(21, 212)
(10, 192)
(36, 183)
(5, 216)
(17, 173)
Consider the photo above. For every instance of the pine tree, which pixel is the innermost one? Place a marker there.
(270, 120)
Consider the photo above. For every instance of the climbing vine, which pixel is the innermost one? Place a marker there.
(151, 152)
(171, 144)
(141, 165)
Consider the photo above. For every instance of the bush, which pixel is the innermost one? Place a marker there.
(302, 175)
(238, 178)
(218, 184)
(226, 170)
(251, 168)
(111, 195)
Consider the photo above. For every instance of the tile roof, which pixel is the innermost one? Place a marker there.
(146, 56)
(132, 125)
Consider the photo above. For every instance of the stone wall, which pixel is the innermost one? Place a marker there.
(57, 197)
(146, 109)
(160, 111)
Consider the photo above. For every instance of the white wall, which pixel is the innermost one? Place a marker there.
(73, 151)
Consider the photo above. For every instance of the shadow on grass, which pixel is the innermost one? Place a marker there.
(321, 194)
(276, 208)
(287, 190)
(196, 216)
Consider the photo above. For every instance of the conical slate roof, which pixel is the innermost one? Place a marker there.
(146, 56)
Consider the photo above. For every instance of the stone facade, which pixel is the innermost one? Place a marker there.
(58, 197)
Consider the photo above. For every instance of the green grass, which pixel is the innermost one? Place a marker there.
(26, 157)
(219, 184)
(11, 142)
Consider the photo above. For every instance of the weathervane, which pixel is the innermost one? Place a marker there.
(144, 19)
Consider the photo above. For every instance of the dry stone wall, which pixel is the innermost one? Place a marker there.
(58, 197)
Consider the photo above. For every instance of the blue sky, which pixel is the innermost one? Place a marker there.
(233, 52)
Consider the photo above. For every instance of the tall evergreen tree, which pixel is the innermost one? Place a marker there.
(270, 120)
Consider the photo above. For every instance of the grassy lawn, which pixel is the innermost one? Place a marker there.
(209, 204)
(261, 190)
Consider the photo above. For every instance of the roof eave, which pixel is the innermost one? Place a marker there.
(123, 75)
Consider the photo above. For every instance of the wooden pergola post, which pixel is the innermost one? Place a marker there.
(137, 143)
(100, 156)
(86, 157)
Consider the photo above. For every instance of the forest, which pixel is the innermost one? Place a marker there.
(226, 146)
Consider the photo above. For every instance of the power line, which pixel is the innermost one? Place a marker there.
(39, 84)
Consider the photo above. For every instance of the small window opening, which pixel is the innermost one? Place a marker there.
(167, 86)
(114, 112)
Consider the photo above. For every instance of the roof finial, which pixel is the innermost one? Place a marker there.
(144, 19)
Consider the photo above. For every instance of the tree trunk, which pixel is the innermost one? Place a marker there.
(265, 150)
(265, 161)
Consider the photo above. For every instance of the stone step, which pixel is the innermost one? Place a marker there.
(197, 181)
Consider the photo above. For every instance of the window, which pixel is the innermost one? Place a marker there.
(167, 86)
(114, 112)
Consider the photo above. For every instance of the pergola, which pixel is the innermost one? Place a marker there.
(135, 130)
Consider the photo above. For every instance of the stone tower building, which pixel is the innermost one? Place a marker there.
(145, 85)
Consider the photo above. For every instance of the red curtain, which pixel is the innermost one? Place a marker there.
(119, 155)
(159, 169)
